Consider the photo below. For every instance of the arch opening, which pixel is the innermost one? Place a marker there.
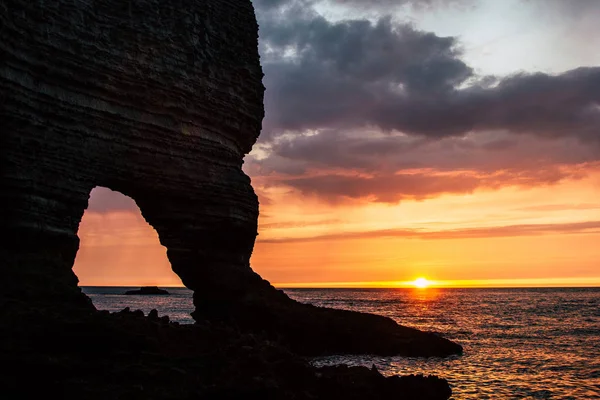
(120, 251)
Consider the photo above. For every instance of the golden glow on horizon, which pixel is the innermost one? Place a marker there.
(118, 248)
(449, 284)
(421, 283)
(457, 284)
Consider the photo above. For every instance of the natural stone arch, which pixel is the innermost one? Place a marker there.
(163, 115)
(159, 100)
(118, 247)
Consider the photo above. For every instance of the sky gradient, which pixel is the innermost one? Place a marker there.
(452, 139)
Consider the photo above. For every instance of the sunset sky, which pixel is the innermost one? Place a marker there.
(452, 139)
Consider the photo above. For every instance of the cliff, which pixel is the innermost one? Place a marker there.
(159, 100)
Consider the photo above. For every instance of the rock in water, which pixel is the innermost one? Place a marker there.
(159, 100)
(147, 290)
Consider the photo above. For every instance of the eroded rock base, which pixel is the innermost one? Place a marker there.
(126, 355)
(315, 331)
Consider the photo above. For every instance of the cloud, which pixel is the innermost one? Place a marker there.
(265, 5)
(338, 166)
(321, 74)
(471, 233)
(354, 106)
(420, 185)
(299, 224)
(355, 73)
(559, 207)
(567, 9)
(374, 153)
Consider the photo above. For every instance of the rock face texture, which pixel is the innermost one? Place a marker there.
(159, 100)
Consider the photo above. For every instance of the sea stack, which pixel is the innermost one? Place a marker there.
(147, 290)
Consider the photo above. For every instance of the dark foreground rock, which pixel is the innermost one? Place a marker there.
(126, 355)
(315, 331)
(147, 290)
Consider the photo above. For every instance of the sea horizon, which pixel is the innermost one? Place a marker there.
(362, 287)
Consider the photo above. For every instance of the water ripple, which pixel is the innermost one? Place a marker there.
(518, 343)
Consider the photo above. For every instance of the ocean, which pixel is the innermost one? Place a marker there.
(540, 343)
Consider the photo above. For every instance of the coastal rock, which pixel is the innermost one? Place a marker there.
(159, 100)
(122, 356)
(360, 382)
(147, 290)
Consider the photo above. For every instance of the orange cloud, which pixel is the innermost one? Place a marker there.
(497, 231)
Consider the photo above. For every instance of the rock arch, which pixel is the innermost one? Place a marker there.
(118, 247)
(159, 100)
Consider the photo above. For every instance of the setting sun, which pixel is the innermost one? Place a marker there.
(421, 283)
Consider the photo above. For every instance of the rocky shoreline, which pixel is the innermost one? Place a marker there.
(126, 355)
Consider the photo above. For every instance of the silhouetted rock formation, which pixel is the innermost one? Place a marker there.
(147, 290)
(125, 355)
(159, 100)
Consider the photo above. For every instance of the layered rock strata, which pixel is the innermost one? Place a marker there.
(159, 100)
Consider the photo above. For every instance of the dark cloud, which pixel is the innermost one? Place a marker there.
(387, 5)
(389, 168)
(471, 233)
(485, 152)
(321, 74)
(330, 85)
(265, 5)
(355, 73)
(392, 188)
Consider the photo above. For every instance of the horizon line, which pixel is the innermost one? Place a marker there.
(588, 282)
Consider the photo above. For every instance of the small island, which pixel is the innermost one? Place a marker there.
(147, 290)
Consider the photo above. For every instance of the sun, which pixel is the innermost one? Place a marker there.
(421, 283)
